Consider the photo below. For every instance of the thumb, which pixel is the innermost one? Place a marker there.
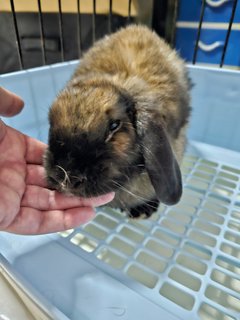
(10, 103)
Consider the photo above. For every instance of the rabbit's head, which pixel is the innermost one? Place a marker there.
(100, 138)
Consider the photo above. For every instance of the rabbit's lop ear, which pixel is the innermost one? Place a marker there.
(160, 163)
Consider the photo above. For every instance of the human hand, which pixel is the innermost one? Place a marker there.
(27, 206)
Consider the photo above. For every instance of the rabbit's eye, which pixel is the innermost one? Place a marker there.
(114, 125)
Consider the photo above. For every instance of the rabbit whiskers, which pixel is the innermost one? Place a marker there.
(66, 179)
(121, 187)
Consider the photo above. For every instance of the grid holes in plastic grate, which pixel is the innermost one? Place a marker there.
(228, 264)
(223, 298)
(177, 296)
(84, 242)
(108, 256)
(226, 280)
(146, 278)
(182, 250)
(208, 312)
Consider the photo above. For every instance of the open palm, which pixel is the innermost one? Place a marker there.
(27, 206)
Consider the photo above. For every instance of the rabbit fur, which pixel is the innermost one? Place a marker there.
(120, 123)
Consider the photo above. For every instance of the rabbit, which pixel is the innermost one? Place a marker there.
(120, 123)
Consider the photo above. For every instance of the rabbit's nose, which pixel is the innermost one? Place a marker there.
(78, 181)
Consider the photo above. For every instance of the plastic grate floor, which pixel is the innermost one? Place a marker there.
(187, 255)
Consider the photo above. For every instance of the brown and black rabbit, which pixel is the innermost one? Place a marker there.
(119, 124)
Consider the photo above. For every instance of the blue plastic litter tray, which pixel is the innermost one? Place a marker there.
(183, 263)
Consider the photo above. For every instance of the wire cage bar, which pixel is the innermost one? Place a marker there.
(228, 33)
(42, 37)
(212, 33)
(199, 31)
(84, 22)
(165, 19)
(18, 43)
(60, 23)
(110, 17)
(79, 29)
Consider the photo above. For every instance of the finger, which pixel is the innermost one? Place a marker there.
(45, 199)
(10, 103)
(36, 175)
(2, 130)
(32, 221)
(9, 205)
(35, 150)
